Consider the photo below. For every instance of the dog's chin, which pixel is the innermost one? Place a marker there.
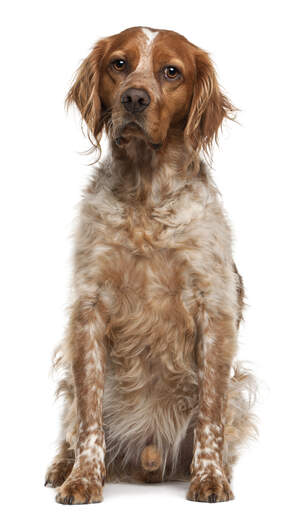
(133, 132)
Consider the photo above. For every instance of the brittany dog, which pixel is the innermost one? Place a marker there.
(152, 390)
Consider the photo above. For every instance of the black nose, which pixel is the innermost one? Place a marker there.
(135, 100)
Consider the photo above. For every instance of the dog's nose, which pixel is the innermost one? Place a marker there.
(135, 100)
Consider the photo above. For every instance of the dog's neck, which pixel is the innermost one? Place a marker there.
(147, 175)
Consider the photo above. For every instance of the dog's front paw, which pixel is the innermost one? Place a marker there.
(209, 488)
(80, 489)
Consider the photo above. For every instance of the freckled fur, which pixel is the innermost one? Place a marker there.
(149, 358)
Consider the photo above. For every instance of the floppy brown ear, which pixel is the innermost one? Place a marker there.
(209, 106)
(85, 90)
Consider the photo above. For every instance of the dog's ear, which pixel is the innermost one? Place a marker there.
(209, 106)
(85, 90)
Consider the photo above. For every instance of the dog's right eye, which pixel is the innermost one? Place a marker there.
(119, 64)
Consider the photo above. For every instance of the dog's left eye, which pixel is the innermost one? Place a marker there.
(119, 64)
(170, 72)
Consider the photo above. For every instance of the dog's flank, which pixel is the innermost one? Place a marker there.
(151, 388)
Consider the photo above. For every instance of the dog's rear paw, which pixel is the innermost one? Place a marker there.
(58, 472)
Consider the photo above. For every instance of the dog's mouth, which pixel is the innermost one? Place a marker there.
(133, 129)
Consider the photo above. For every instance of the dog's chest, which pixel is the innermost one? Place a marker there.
(145, 269)
(148, 290)
(150, 300)
(145, 264)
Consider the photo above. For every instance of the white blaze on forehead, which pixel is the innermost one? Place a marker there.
(150, 34)
(145, 60)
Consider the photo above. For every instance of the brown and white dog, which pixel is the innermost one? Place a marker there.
(152, 334)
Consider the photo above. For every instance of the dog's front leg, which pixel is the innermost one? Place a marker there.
(215, 350)
(86, 342)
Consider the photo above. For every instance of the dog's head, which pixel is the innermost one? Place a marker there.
(145, 83)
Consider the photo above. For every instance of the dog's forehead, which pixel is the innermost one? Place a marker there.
(149, 34)
(149, 42)
(146, 42)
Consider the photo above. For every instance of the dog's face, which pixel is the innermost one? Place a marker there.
(145, 83)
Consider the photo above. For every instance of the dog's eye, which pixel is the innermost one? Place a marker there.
(170, 72)
(119, 64)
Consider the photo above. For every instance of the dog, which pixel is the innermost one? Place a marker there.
(152, 390)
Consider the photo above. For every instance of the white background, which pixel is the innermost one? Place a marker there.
(42, 173)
